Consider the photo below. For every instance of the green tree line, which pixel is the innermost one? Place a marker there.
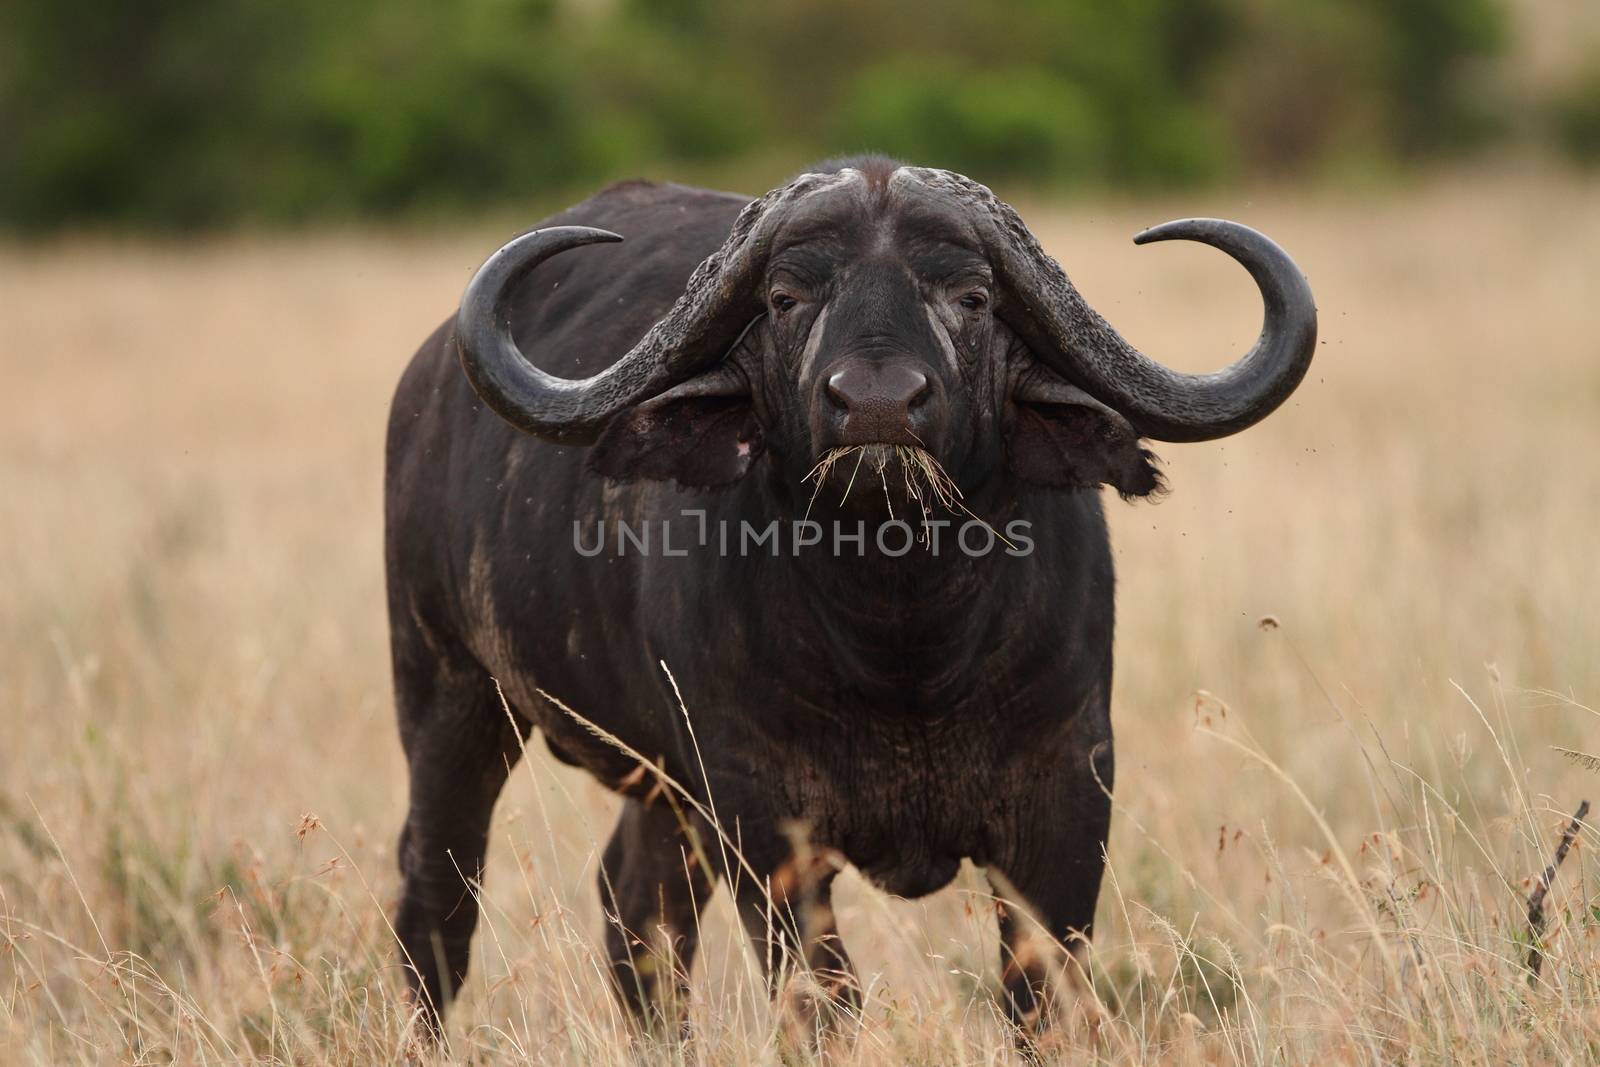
(181, 114)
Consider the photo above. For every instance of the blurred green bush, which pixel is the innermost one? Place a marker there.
(1576, 111)
(184, 114)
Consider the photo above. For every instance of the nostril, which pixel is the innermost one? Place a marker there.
(921, 390)
(838, 384)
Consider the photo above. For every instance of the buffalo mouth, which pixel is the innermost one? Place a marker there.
(905, 477)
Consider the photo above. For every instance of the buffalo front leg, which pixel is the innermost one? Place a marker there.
(460, 746)
(787, 909)
(1046, 904)
(653, 886)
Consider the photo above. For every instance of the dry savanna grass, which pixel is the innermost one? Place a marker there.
(1328, 824)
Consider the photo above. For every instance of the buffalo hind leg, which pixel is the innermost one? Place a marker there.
(460, 746)
(653, 886)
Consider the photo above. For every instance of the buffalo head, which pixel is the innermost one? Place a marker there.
(876, 305)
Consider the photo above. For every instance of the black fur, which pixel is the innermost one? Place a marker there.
(907, 711)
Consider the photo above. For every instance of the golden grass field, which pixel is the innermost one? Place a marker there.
(1325, 831)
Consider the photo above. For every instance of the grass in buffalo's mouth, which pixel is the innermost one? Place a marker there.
(926, 481)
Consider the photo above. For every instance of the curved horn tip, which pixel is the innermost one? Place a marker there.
(521, 254)
(575, 234)
(1189, 230)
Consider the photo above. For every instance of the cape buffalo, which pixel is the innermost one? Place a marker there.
(870, 344)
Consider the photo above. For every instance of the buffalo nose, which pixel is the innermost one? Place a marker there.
(882, 395)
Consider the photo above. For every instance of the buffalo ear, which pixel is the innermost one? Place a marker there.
(1064, 438)
(700, 434)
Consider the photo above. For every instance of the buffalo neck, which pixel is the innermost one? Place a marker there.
(916, 628)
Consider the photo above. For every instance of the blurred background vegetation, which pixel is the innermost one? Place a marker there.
(194, 114)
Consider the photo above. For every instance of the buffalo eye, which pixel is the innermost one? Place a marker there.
(976, 300)
(782, 302)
